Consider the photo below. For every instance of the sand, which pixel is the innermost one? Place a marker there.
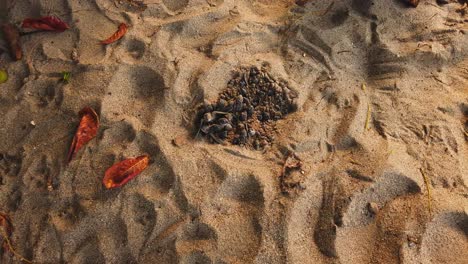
(360, 195)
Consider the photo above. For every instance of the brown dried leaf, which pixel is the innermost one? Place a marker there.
(86, 131)
(13, 39)
(122, 172)
(7, 229)
(117, 35)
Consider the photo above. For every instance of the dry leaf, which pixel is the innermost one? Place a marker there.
(122, 172)
(5, 224)
(49, 23)
(292, 163)
(13, 38)
(413, 3)
(86, 131)
(117, 35)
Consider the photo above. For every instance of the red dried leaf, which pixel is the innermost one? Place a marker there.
(5, 224)
(49, 23)
(86, 131)
(122, 172)
(117, 35)
(13, 38)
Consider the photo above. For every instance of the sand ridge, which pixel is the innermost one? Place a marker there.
(209, 203)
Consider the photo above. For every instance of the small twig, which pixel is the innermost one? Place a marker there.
(366, 125)
(343, 51)
(320, 101)
(328, 9)
(199, 128)
(29, 60)
(10, 247)
(426, 182)
(220, 113)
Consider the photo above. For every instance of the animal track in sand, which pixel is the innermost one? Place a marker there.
(136, 48)
(131, 50)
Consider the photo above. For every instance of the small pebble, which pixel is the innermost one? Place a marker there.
(412, 240)
(179, 141)
(223, 121)
(208, 117)
(373, 208)
(221, 104)
(243, 116)
(223, 135)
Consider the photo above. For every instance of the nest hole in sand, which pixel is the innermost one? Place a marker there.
(245, 113)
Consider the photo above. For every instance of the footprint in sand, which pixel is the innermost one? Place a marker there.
(237, 220)
(134, 93)
(175, 5)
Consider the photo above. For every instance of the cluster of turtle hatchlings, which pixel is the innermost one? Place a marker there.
(247, 109)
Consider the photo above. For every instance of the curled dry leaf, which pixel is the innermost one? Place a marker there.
(122, 172)
(292, 163)
(13, 39)
(49, 23)
(117, 35)
(7, 228)
(413, 3)
(86, 131)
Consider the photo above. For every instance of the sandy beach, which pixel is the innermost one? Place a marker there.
(363, 160)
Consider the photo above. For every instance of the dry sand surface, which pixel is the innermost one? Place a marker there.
(359, 194)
